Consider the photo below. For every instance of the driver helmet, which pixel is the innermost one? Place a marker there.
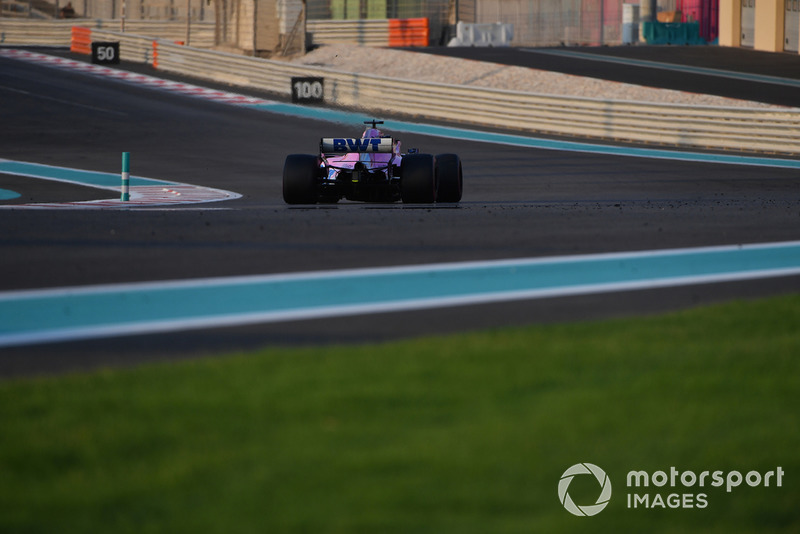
(371, 133)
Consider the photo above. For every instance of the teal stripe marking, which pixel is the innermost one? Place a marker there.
(85, 312)
(355, 120)
(761, 78)
(104, 180)
(6, 194)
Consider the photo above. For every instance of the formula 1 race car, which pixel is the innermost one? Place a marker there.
(370, 169)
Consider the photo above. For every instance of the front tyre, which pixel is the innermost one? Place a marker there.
(418, 181)
(450, 178)
(300, 178)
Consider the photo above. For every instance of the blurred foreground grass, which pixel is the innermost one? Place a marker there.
(461, 434)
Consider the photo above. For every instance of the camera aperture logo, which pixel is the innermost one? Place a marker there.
(584, 510)
(646, 490)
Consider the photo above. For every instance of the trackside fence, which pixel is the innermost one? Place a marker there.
(741, 129)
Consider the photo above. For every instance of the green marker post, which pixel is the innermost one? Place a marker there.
(126, 176)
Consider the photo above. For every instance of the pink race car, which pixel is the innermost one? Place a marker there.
(370, 169)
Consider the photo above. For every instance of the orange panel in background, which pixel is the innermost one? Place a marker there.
(81, 42)
(408, 32)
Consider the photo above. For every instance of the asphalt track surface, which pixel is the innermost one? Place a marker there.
(518, 202)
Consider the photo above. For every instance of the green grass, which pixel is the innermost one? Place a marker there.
(454, 434)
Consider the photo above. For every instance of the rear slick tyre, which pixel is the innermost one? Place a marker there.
(418, 183)
(450, 178)
(300, 173)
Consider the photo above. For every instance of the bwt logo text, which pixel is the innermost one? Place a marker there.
(357, 145)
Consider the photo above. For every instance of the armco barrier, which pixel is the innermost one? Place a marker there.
(360, 32)
(37, 32)
(58, 32)
(381, 32)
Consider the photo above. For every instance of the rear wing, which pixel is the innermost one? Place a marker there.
(344, 145)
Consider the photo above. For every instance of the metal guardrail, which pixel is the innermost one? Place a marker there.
(58, 32)
(366, 32)
(361, 32)
(771, 131)
(34, 32)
